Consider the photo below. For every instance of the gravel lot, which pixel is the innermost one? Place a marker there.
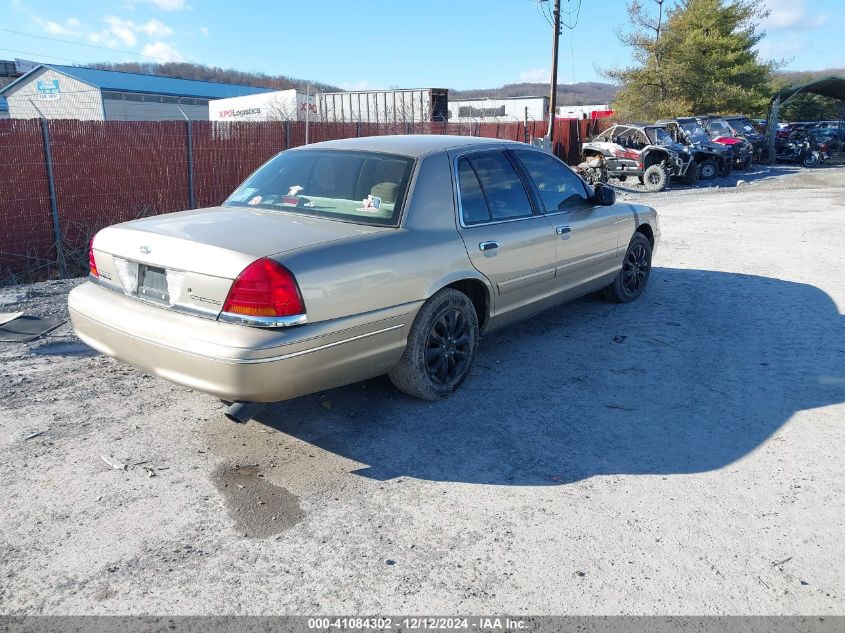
(681, 455)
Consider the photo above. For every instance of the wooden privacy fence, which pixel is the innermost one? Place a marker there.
(62, 180)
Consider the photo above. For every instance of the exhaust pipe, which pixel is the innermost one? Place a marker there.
(243, 412)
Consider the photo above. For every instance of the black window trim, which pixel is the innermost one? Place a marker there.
(591, 198)
(535, 210)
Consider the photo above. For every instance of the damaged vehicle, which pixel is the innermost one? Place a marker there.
(743, 127)
(341, 261)
(645, 152)
(722, 133)
(713, 159)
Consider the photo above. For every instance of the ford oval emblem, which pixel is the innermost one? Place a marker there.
(145, 250)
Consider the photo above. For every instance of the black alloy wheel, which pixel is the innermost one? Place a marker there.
(448, 347)
(635, 269)
(632, 279)
(441, 345)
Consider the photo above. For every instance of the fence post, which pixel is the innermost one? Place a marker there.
(190, 148)
(287, 135)
(54, 206)
(357, 129)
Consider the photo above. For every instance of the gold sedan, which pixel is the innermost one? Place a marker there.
(349, 259)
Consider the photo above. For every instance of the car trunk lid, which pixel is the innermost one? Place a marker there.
(188, 260)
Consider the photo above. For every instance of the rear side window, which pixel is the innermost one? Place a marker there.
(559, 188)
(491, 189)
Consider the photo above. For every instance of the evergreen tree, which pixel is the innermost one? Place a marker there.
(701, 60)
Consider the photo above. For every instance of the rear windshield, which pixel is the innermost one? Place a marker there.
(360, 187)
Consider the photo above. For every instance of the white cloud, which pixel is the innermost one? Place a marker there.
(163, 52)
(127, 31)
(68, 27)
(535, 75)
(169, 5)
(204, 30)
(791, 15)
(786, 45)
(122, 29)
(154, 28)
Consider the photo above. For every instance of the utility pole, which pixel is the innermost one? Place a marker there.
(307, 109)
(553, 93)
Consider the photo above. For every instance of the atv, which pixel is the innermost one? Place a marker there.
(722, 133)
(645, 152)
(713, 159)
(742, 127)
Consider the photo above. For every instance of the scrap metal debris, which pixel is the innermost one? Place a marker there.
(113, 463)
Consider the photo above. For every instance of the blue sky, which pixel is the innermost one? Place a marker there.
(374, 43)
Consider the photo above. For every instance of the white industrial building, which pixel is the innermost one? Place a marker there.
(279, 105)
(75, 92)
(581, 111)
(498, 110)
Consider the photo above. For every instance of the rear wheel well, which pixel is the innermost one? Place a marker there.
(645, 229)
(477, 293)
(654, 158)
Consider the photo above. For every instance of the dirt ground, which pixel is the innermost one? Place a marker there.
(680, 455)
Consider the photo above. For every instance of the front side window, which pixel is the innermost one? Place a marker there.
(559, 188)
(695, 132)
(607, 135)
(659, 136)
(632, 138)
(359, 187)
(491, 189)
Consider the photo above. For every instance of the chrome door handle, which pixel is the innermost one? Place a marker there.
(488, 246)
(562, 230)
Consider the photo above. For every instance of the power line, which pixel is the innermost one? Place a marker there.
(67, 59)
(104, 48)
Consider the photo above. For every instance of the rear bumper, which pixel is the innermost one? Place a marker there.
(235, 362)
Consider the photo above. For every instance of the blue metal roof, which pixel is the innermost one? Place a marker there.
(150, 84)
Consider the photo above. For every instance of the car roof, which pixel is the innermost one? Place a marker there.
(413, 145)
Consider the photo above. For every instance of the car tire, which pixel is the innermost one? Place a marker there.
(655, 178)
(692, 175)
(708, 169)
(746, 163)
(631, 281)
(441, 347)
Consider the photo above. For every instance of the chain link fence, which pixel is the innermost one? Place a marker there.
(63, 180)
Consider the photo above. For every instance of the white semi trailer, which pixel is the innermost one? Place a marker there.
(413, 105)
(281, 105)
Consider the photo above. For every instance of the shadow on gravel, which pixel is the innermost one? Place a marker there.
(754, 173)
(698, 373)
(64, 349)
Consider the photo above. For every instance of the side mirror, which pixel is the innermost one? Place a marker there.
(604, 195)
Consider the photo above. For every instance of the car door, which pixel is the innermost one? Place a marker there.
(587, 234)
(507, 237)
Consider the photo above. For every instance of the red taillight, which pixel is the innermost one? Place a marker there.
(92, 264)
(265, 289)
